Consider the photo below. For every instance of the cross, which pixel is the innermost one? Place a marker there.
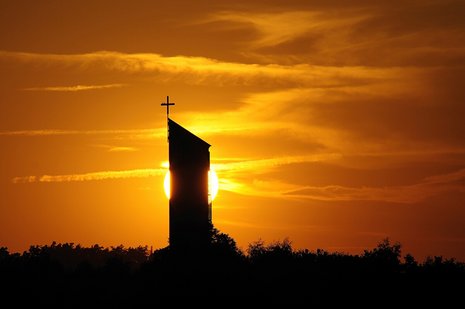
(167, 104)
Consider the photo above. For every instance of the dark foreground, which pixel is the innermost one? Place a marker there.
(69, 276)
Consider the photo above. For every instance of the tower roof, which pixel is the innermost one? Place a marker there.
(179, 133)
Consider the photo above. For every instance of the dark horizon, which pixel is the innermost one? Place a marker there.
(269, 274)
(333, 124)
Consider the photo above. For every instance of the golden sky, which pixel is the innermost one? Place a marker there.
(333, 124)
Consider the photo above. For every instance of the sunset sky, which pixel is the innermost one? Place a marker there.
(334, 125)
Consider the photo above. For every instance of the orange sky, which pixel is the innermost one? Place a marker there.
(335, 125)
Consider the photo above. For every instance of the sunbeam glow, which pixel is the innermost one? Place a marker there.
(212, 185)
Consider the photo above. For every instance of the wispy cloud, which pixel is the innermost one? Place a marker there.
(265, 164)
(278, 111)
(255, 183)
(244, 224)
(41, 132)
(446, 178)
(202, 70)
(102, 175)
(267, 108)
(429, 187)
(231, 174)
(122, 149)
(280, 27)
(399, 194)
(274, 28)
(74, 88)
(374, 34)
(405, 194)
(114, 148)
(138, 133)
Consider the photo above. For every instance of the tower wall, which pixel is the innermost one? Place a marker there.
(189, 212)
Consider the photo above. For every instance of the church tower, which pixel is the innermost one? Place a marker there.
(190, 210)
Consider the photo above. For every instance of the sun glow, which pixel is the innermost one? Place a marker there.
(212, 185)
(166, 184)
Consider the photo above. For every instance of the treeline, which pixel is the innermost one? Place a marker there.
(69, 275)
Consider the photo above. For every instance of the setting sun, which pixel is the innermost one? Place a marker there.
(212, 185)
(166, 184)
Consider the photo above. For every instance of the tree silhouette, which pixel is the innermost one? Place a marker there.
(385, 256)
(266, 275)
(224, 245)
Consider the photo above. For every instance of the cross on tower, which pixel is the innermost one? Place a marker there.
(167, 104)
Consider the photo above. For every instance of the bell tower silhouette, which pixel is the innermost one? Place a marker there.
(190, 209)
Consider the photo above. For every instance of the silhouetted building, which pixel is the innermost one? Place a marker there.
(190, 210)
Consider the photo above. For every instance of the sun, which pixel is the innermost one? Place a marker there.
(212, 184)
(166, 184)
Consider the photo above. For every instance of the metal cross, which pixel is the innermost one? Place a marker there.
(167, 104)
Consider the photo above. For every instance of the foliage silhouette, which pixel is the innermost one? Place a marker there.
(385, 257)
(266, 275)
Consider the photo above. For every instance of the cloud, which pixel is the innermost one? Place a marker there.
(252, 178)
(361, 119)
(113, 148)
(430, 186)
(136, 133)
(40, 132)
(340, 193)
(244, 224)
(243, 176)
(446, 178)
(412, 33)
(102, 175)
(74, 88)
(275, 28)
(327, 104)
(264, 164)
(205, 71)
(122, 149)
(401, 194)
